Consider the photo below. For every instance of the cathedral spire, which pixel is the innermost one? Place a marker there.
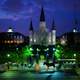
(42, 17)
(53, 26)
(31, 26)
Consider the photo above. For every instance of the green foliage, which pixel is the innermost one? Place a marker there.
(27, 51)
(8, 56)
(12, 56)
(69, 53)
(58, 51)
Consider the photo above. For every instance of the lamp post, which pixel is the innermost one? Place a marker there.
(30, 56)
(53, 49)
(37, 55)
(8, 56)
(47, 55)
(17, 50)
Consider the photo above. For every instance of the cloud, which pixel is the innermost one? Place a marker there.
(12, 5)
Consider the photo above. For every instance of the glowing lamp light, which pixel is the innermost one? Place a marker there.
(46, 49)
(74, 55)
(54, 49)
(31, 49)
(38, 49)
(8, 55)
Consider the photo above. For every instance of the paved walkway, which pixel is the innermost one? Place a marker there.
(22, 75)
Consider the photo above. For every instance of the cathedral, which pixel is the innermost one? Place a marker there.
(42, 37)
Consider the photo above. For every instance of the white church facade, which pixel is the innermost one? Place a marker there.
(42, 37)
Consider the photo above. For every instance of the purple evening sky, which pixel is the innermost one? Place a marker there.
(18, 14)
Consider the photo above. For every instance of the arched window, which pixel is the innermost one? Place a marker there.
(21, 37)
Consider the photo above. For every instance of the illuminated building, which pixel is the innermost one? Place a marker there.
(42, 37)
(52, 35)
(12, 39)
(72, 39)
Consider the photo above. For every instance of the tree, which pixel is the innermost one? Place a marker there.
(58, 51)
(27, 53)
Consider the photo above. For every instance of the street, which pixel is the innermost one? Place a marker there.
(26, 75)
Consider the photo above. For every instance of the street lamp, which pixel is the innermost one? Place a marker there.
(74, 55)
(8, 55)
(54, 49)
(38, 49)
(46, 54)
(37, 55)
(31, 49)
(46, 49)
